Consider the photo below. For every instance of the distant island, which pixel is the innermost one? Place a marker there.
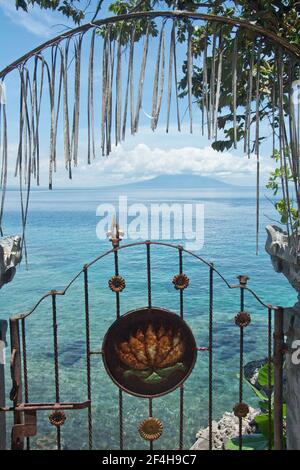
(183, 181)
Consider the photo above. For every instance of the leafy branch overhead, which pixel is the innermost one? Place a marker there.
(69, 8)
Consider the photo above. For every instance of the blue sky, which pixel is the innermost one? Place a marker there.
(143, 156)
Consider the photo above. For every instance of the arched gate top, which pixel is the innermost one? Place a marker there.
(85, 268)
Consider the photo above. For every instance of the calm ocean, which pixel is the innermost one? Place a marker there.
(61, 237)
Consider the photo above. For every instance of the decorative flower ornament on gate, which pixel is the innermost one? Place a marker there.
(149, 351)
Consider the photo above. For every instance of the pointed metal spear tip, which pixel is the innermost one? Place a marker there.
(115, 234)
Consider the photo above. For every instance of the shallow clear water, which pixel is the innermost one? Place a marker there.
(61, 237)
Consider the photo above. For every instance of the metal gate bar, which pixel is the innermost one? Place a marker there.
(25, 372)
(16, 368)
(270, 369)
(56, 368)
(210, 357)
(241, 377)
(181, 392)
(278, 378)
(88, 355)
(150, 415)
(149, 288)
(117, 295)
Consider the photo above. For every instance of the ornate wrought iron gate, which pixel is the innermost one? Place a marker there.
(147, 352)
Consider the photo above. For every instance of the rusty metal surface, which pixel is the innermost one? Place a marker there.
(17, 440)
(117, 283)
(137, 330)
(241, 410)
(278, 378)
(151, 429)
(24, 430)
(180, 281)
(24, 407)
(57, 418)
(242, 319)
(133, 245)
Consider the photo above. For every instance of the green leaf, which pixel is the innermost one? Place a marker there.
(250, 442)
(263, 376)
(169, 370)
(141, 374)
(262, 422)
(264, 405)
(284, 410)
(154, 376)
(260, 394)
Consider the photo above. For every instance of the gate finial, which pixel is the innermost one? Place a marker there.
(115, 234)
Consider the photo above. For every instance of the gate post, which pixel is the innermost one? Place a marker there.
(16, 375)
(278, 378)
(3, 329)
(292, 372)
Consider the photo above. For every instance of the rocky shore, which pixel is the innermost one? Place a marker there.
(228, 426)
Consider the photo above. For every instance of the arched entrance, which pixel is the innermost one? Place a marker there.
(34, 69)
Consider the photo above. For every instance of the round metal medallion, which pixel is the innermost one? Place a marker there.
(151, 429)
(117, 284)
(149, 352)
(241, 410)
(57, 418)
(181, 281)
(242, 319)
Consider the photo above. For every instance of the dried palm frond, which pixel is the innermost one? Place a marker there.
(129, 88)
(176, 83)
(257, 104)
(4, 161)
(219, 78)
(64, 71)
(90, 102)
(205, 88)
(212, 83)
(159, 77)
(190, 79)
(247, 130)
(170, 78)
(118, 107)
(234, 88)
(141, 83)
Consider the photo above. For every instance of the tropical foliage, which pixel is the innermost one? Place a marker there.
(263, 390)
(69, 8)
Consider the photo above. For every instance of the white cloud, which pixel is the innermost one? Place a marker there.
(143, 162)
(36, 21)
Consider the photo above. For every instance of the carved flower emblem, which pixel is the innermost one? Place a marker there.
(180, 281)
(57, 418)
(151, 429)
(242, 319)
(241, 410)
(151, 352)
(117, 284)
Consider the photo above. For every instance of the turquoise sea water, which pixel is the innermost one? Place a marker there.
(61, 237)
